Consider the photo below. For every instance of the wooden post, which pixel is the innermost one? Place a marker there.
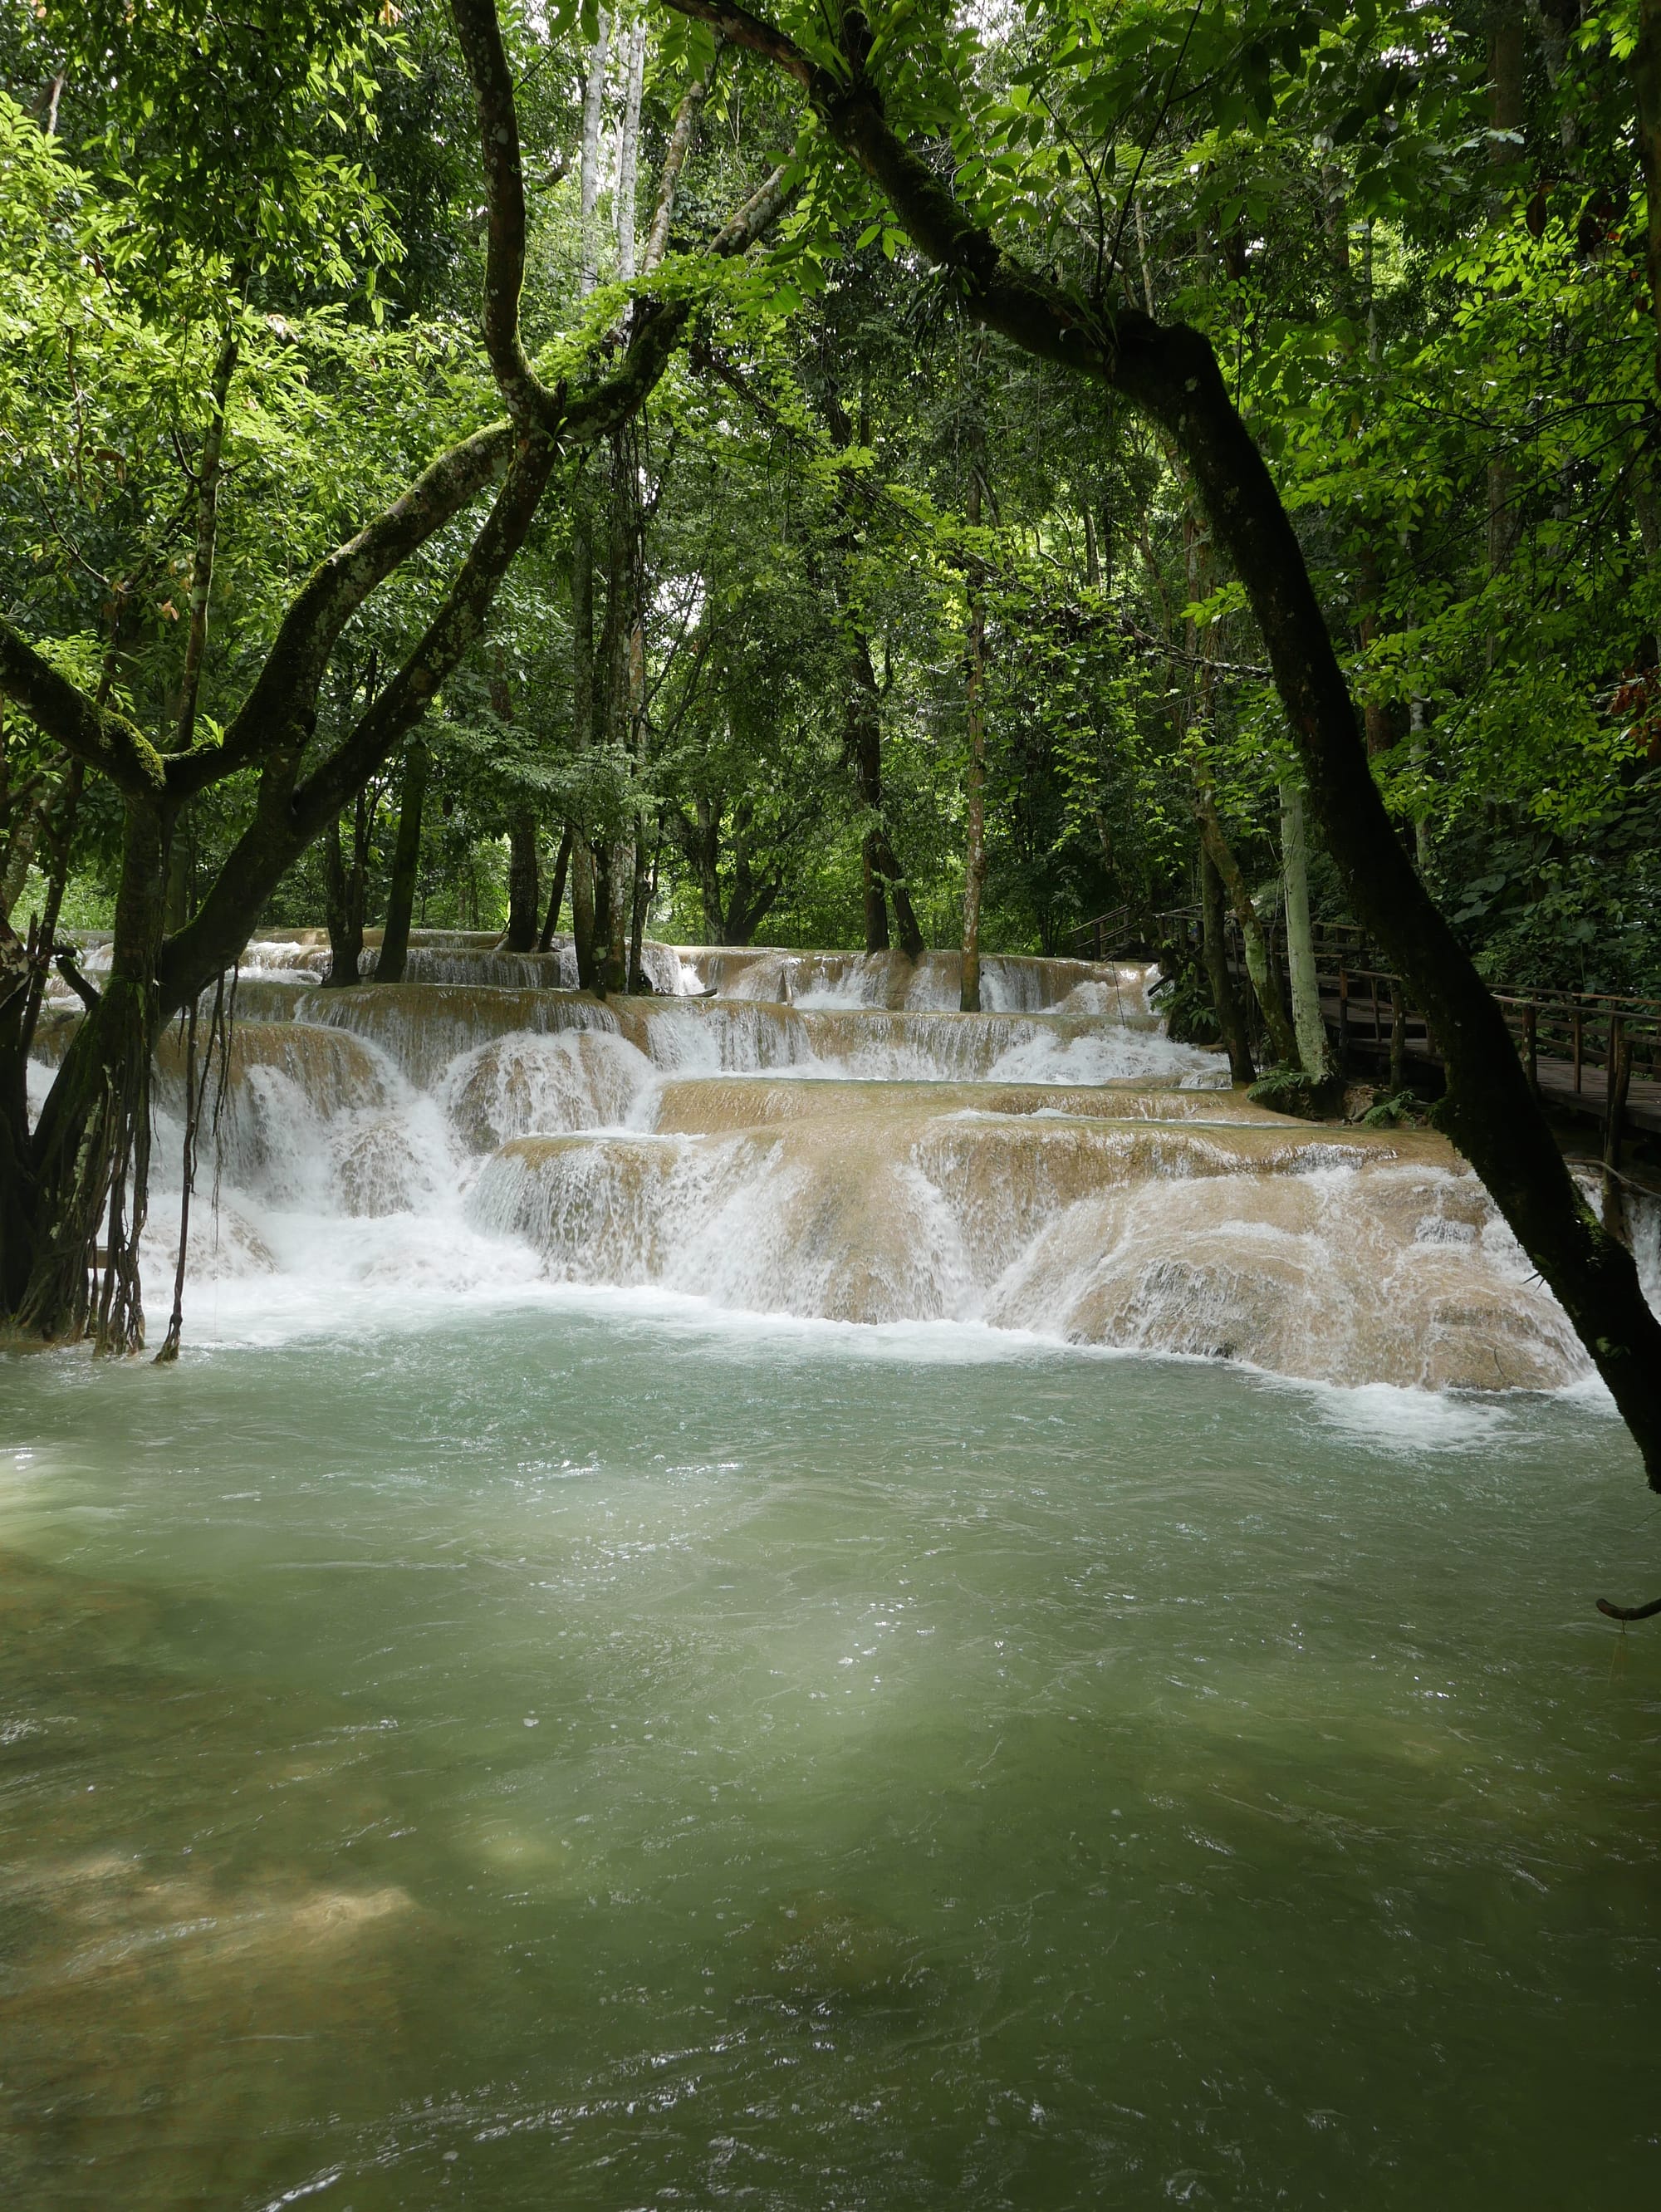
(1531, 1046)
(1344, 1018)
(1579, 1023)
(1377, 1025)
(1398, 1037)
(1619, 1075)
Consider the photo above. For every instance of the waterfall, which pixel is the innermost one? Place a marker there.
(828, 1137)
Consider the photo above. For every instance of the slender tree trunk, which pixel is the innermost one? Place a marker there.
(628, 148)
(620, 682)
(882, 876)
(523, 888)
(974, 859)
(406, 865)
(615, 675)
(1225, 998)
(620, 885)
(582, 910)
(582, 735)
(524, 899)
(60, 834)
(862, 737)
(210, 477)
(682, 139)
(601, 866)
(343, 889)
(703, 840)
(643, 868)
(1419, 752)
(1282, 1041)
(645, 883)
(593, 117)
(864, 741)
(556, 894)
(1310, 1029)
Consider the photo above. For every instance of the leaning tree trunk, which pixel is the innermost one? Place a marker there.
(556, 893)
(90, 1145)
(1489, 1110)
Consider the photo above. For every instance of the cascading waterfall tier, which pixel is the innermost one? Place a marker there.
(824, 1135)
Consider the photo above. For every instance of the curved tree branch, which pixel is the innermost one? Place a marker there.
(478, 28)
(286, 823)
(284, 694)
(99, 736)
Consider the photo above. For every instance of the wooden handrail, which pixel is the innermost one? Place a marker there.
(1587, 1028)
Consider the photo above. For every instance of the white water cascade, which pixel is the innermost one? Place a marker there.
(820, 1136)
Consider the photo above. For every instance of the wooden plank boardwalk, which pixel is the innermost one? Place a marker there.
(1586, 1095)
(1573, 1042)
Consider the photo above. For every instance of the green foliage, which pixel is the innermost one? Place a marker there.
(1441, 338)
(1396, 1109)
(1184, 998)
(1292, 1090)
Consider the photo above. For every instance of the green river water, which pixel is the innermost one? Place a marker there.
(596, 1756)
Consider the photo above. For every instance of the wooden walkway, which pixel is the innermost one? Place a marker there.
(1582, 1091)
(1585, 1051)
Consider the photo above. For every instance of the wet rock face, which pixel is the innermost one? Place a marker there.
(1367, 1259)
(828, 1137)
(578, 1079)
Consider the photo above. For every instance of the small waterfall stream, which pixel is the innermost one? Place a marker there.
(825, 1136)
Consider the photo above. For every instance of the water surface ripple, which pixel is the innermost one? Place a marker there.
(592, 1757)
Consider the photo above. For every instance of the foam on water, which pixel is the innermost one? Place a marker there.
(825, 1156)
